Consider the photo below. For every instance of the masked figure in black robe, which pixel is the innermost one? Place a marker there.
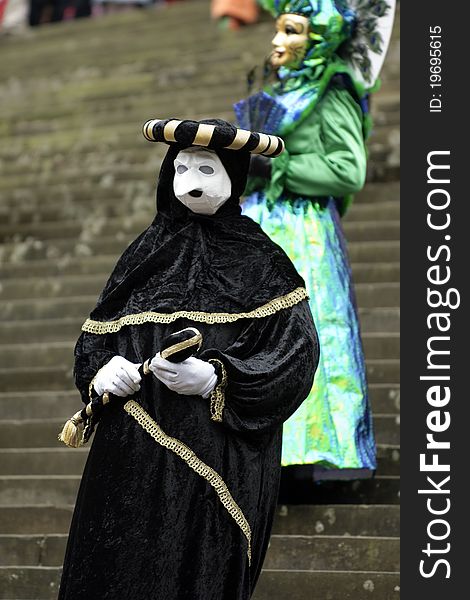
(179, 490)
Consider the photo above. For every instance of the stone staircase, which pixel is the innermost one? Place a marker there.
(77, 184)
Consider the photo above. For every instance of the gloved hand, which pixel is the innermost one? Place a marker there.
(190, 377)
(260, 166)
(119, 376)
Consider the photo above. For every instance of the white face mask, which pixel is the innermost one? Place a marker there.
(201, 182)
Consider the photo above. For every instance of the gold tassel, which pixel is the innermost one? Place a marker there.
(72, 432)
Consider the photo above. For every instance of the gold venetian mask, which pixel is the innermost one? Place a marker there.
(291, 40)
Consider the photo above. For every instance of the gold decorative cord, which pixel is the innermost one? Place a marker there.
(270, 308)
(217, 395)
(196, 340)
(195, 463)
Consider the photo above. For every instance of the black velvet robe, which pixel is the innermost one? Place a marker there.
(146, 525)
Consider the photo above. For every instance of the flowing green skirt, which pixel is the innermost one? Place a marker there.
(333, 427)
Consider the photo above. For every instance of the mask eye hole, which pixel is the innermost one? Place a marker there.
(206, 169)
(180, 169)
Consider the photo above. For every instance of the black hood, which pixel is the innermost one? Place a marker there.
(236, 164)
(223, 263)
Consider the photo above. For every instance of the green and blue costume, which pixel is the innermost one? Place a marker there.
(320, 111)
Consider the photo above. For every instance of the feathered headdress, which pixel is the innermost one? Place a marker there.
(348, 27)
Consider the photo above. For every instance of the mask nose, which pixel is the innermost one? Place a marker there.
(195, 193)
(278, 40)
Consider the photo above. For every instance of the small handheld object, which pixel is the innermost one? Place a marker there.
(181, 345)
(176, 347)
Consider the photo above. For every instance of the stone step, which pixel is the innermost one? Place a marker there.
(35, 257)
(383, 163)
(177, 14)
(210, 46)
(27, 379)
(378, 192)
(388, 459)
(132, 225)
(73, 141)
(113, 110)
(29, 583)
(61, 48)
(49, 308)
(377, 345)
(376, 272)
(105, 79)
(370, 259)
(377, 295)
(32, 550)
(317, 553)
(42, 583)
(369, 251)
(58, 460)
(73, 285)
(21, 217)
(82, 196)
(77, 76)
(221, 90)
(369, 295)
(381, 210)
(384, 398)
(335, 520)
(71, 133)
(304, 552)
(383, 370)
(35, 519)
(372, 320)
(55, 490)
(347, 585)
(113, 102)
(58, 490)
(67, 461)
(53, 287)
(32, 379)
(52, 330)
(73, 229)
(42, 433)
(383, 158)
(60, 354)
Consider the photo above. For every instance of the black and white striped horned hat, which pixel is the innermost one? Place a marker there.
(222, 135)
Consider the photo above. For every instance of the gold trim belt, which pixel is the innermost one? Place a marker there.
(270, 308)
(196, 464)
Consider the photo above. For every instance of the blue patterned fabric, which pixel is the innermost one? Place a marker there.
(333, 427)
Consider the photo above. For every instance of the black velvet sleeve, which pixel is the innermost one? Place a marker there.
(91, 353)
(270, 370)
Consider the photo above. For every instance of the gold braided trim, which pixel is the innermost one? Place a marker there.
(217, 395)
(270, 308)
(195, 340)
(196, 464)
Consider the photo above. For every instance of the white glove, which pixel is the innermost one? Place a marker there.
(192, 377)
(119, 376)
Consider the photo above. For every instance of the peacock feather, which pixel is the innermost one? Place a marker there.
(365, 35)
